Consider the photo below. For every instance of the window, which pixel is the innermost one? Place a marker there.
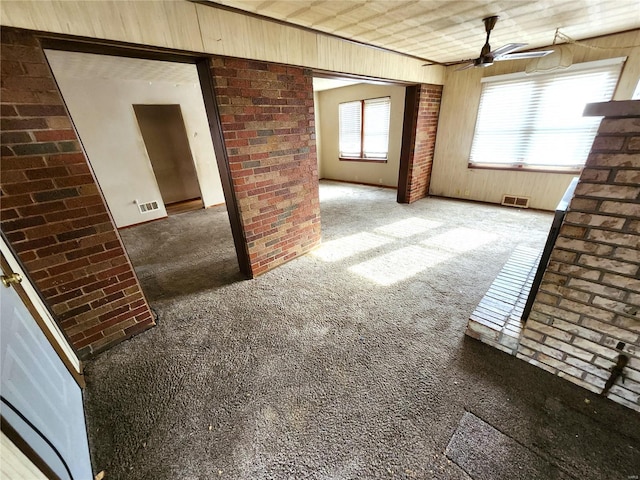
(536, 122)
(636, 92)
(364, 129)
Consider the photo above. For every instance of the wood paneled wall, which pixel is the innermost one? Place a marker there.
(184, 25)
(461, 97)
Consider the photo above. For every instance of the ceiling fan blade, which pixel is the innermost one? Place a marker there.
(523, 55)
(459, 62)
(465, 67)
(506, 49)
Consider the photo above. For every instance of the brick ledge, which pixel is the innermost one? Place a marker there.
(622, 108)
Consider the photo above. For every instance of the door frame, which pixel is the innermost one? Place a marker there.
(409, 126)
(52, 41)
(30, 296)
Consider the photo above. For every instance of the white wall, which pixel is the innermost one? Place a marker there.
(365, 172)
(102, 111)
(451, 176)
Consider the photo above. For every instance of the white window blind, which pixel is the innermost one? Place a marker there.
(376, 128)
(364, 129)
(536, 121)
(350, 129)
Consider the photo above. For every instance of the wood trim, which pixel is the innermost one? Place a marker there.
(25, 448)
(362, 129)
(332, 75)
(53, 41)
(369, 160)
(513, 168)
(78, 376)
(359, 183)
(142, 223)
(411, 98)
(215, 127)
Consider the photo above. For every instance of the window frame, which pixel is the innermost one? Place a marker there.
(362, 157)
(521, 166)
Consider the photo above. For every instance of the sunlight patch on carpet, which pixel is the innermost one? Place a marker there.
(460, 239)
(399, 265)
(345, 247)
(408, 227)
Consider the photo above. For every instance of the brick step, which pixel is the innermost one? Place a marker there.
(497, 320)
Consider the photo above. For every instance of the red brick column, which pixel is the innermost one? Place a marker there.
(589, 299)
(421, 142)
(266, 112)
(52, 212)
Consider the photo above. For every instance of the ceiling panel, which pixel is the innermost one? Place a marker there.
(450, 30)
(92, 66)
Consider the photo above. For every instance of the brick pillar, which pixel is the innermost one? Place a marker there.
(589, 300)
(52, 212)
(422, 109)
(266, 112)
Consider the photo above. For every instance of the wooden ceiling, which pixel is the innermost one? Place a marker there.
(449, 30)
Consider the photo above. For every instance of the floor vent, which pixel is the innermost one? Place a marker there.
(148, 207)
(515, 201)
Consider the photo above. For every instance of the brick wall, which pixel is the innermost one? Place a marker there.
(52, 212)
(266, 112)
(589, 300)
(423, 141)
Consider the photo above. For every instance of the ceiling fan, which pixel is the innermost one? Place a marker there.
(487, 57)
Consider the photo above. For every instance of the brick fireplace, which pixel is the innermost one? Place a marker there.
(587, 311)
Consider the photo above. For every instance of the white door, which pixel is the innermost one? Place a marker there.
(41, 400)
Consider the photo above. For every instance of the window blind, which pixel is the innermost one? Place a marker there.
(537, 121)
(376, 127)
(350, 114)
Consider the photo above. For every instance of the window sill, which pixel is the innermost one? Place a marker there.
(520, 168)
(369, 160)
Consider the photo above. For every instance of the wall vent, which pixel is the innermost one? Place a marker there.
(148, 207)
(515, 201)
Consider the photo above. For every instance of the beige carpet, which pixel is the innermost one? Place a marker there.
(347, 363)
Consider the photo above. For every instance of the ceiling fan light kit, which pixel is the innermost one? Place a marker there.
(488, 56)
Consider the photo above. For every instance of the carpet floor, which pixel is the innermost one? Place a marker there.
(347, 363)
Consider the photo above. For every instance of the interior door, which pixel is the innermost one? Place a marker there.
(41, 401)
(167, 143)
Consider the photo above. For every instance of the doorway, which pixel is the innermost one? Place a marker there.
(165, 138)
(144, 125)
(330, 94)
